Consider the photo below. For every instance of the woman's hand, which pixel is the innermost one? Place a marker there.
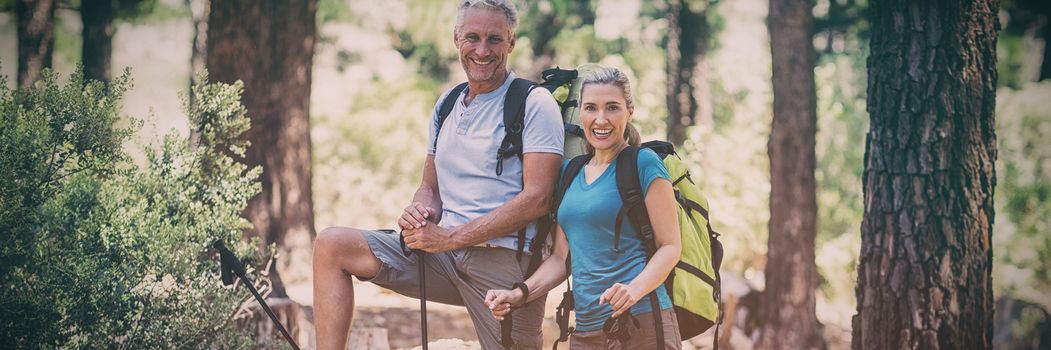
(501, 300)
(621, 297)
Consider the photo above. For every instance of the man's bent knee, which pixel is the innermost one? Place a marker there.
(347, 249)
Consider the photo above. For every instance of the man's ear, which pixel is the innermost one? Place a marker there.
(456, 40)
(512, 47)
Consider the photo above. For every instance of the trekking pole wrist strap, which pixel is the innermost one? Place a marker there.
(525, 291)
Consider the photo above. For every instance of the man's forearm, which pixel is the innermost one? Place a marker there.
(539, 174)
(510, 217)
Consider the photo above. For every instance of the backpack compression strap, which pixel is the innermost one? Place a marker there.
(553, 79)
(634, 206)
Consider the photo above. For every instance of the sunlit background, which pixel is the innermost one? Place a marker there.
(380, 65)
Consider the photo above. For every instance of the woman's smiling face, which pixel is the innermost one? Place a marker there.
(605, 113)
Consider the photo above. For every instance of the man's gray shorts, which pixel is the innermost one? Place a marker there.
(461, 277)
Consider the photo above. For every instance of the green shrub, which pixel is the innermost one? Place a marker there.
(100, 252)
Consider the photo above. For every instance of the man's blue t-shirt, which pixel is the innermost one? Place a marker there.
(587, 215)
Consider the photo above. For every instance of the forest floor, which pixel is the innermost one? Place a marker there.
(449, 327)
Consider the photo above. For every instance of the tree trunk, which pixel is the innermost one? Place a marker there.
(269, 45)
(97, 34)
(788, 301)
(1045, 65)
(688, 33)
(198, 49)
(924, 273)
(36, 38)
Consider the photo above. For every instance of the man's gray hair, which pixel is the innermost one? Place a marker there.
(504, 6)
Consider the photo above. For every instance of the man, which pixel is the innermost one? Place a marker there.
(464, 215)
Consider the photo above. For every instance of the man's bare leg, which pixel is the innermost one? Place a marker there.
(339, 254)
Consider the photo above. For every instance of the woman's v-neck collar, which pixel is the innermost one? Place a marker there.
(583, 176)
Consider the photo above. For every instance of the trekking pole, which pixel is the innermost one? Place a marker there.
(229, 264)
(423, 288)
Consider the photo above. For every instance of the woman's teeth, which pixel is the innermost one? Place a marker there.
(602, 132)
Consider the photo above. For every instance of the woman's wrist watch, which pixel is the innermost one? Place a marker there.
(525, 291)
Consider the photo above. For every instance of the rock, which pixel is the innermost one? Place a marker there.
(1019, 324)
(372, 338)
(451, 344)
(297, 319)
(403, 324)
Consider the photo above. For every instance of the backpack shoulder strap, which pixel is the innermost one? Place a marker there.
(630, 188)
(634, 202)
(547, 224)
(564, 180)
(514, 120)
(564, 307)
(447, 107)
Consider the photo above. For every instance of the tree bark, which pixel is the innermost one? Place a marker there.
(269, 45)
(36, 38)
(198, 49)
(924, 273)
(788, 302)
(688, 34)
(97, 34)
(1045, 65)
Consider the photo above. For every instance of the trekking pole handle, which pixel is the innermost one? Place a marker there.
(404, 249)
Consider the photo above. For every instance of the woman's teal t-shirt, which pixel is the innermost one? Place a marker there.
(587, 215)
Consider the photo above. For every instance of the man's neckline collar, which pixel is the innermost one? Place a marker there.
(499, 91)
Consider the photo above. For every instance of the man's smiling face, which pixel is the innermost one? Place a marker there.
(484, 40)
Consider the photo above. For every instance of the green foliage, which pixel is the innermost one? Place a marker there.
(840, 150)
(332, 10)
(135, 11)
(1011, 60)
(425, 37)
(102, 253)
(840, 26)
(142, 12)
(1022, 245)
(542, 21)
(1022, 22)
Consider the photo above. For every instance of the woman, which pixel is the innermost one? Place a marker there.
(606, 283)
